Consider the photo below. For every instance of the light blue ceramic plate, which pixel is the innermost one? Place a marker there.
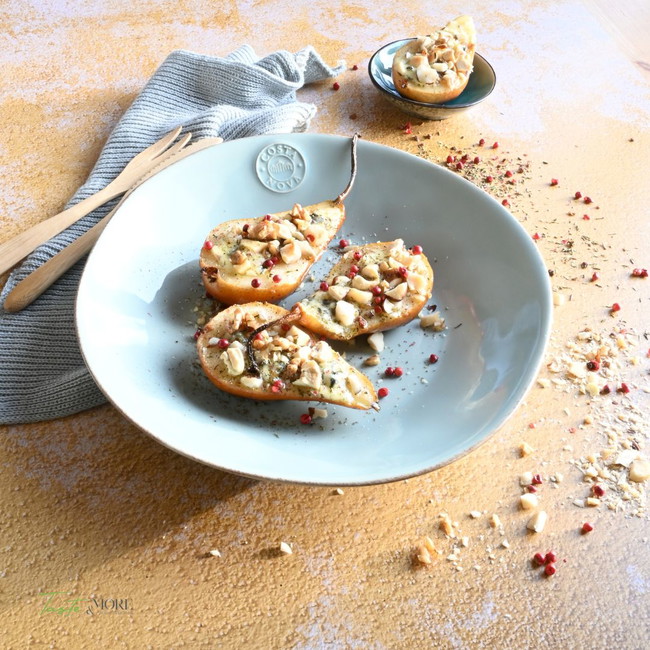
(480, 85)
(136, 319)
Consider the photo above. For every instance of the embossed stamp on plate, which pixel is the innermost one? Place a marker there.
(280, 167)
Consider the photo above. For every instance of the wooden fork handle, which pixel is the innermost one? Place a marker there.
(24, 243)
(27, 290)
(31, 287)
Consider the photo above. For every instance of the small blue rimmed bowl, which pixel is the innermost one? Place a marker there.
(480, 85)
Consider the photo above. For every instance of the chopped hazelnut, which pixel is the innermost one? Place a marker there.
(537, 522)
(446, 525)
(528, 501)
(285, 548)
(639, 470)
(526, 479)
(376, 341)
(525, 449)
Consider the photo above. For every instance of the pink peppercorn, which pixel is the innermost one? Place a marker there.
(595, 276)
(549, 570)
(495, 145)
(324, 286)
(640, 273)
(277, 279)
(208, 245)
(433, 358)
(344, 243)
(577, 195)
(550, 558)
(587, 200)
(623, 388)
(390, 371)
(398, 372)
(615, 307)
(336, 85)
(554, 182)
(417, 250)
(598, 490)
(255, 283)
(305, 418)
(538, 558)
(382, 392)
(586, 528)
(505, 203)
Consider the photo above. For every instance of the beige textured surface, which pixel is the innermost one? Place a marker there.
(91, 507)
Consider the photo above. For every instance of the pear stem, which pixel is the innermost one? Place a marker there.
(353, 171)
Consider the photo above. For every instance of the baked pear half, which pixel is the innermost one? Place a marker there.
(436, 68)
(257, 351)
(371, 288)
(265, 259)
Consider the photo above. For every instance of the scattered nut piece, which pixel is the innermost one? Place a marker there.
(639, 470)
(318, 412)
(339, 491)
(475, 514)
(285, 548)
(537, 522)
(528, 501)
(376, 341)
(372, 360)
(446, 525)
(592, 502)
(525, 449)
(434, 321)
(495, 522)
(215, 553)
(526, 479)
(425, 551)
(558, 299)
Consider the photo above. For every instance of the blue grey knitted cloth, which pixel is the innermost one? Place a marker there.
(42, 373)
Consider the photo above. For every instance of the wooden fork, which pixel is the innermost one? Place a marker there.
(27, 290)
(21, 245)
